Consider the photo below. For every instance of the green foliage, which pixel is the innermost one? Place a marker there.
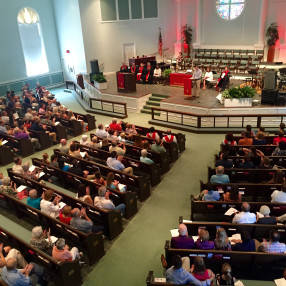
(99, 78)
(237, 92)
(272, 34)
(187, 34)
(167, 72)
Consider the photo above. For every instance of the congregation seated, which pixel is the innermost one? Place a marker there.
(273, 245)
(61, 251)
(246, 163)
(7, 188)
(183, 241)
(100, 132)
(114, 162)
(144, 157)
(110, 182)
(33, 200)
(112, 135)
(158, 146)
(279, 196)
(259, 139)
(245, 216)
(221, 241)
(41, 239)
(7, 252)
(130, 129)
(50, 204)
(138, 142)
(219, 177)
(105, 145)
(209, 194)
(248, 128)
(266, 219)
(77, 170)
(84, 140)
(103, 201)
(98, 179)
(95, 143)
(169, 137)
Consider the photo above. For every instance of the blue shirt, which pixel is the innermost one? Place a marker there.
(211, 196)
(35, 203)
(115, 164)
(15, 277)
(181, 277)
(219, 179)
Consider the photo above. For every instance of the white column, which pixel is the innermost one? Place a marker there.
(262, 21)
(197, 44)
(178, 44)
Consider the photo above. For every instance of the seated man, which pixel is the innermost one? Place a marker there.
(33, 201)
(7, 252)
(246, 140)
(114, 162)
(64, 148)
(95, 143)
(100, 132)
(82, 222)
(144, 157)
(210, 195)
(61, 251)
(279, 196)
(279, 138)
(124, 68)
(152, 134)
(246, 163)
(219, 177)
(273, 245)
(114, 125)
(77, 170)
(224, 161)
(245, 244)
(32, 274)
(19, 134)
(183, 241)
(158, 146)
(178, 274)
(245, 216)
(147, 74)
(103, 201)
(36, 127)
(169, 137)
(203, 242)
(117, 149)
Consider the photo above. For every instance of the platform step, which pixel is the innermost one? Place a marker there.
(154, 103)
(147, 107)
(153, 98)
(160, 95)
(149, 112)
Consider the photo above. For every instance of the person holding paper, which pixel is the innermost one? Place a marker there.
(245, 216)
(246, 243)
(41, 239)
(17, 168)
(183, 241)
(48, 206)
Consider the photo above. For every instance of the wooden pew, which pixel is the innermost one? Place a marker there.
(163, 159)
(134, 183)
(92, 243)
(25, 146)
(128, 198)
(214, 211)
(274, 160)
(73, 125)
(150, 281)
(62, 273)
(245, 265)
(109, 218)
(237, 175)
(43, 138)
(257, 231)
(181, 138)
(87, 118)
(152, 171)
(269, 139)
(6, 155)
(249, 191)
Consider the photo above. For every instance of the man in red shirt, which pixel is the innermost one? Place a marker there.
(280, 138)
(114, 125)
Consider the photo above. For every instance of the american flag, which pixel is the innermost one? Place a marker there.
(160, 43)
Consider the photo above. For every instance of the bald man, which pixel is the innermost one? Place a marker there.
(183, 241)
(64, 148)
(245, 216)
(30, 275)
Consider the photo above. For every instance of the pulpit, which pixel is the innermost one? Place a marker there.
(187, 87)
(79, 80)
(126, 82)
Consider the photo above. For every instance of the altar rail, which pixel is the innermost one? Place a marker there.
(99, 106)
(213, 122)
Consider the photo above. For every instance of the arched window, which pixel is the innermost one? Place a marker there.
(229, 9)
(32, 42)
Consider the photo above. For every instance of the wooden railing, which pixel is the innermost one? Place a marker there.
(118, 108)
(185, 120)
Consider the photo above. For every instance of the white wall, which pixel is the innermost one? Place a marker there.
(70, 37)
(103, 41)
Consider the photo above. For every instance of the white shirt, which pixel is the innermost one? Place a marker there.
(157, 72)
(18, 169)
(103, 203)
(278, 197)
(101, 133)
(169, 136)
(209, 76)
(49, 208)
(244, 217)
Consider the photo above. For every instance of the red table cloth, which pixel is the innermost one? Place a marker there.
(177, 79)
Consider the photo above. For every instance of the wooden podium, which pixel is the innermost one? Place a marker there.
(126, 82)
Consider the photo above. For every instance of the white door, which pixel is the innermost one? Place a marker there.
(128, 52)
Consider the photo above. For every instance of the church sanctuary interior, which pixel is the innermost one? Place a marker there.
(142, 142)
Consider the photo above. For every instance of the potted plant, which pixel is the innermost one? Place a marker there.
(166, 74)
(238, 96)
(272, 37)
(187, 38)
(99, 81)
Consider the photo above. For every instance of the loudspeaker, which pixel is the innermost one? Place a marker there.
(281, 100)
(94, 66)
(270, 79)
(269, 97)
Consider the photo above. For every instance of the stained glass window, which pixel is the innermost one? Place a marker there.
(229, 9)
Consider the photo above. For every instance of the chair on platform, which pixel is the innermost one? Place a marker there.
(233, 65)
(215, 65)
(236, 52)
(223, 64)
(251, 52)
(243, 66)
(237, 57)
(254, 66)
(245, 57)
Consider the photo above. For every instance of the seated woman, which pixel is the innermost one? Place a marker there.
(139, 72)
(111, 183)
(98, 179)
(266, 219)
(157, 74)
(45, 159)
(62, 165)
(41, 239)
(203, 241)
(208, 77)
(221, 241)
(105, 145)
(49, 206)
(7, 187)
(199, 270)
(83, 194)
(259, 139)
(225, 278)
(223, 80)
(233, 195)
(130, 129)
(65, 215)
(278, 177)
(246, 140)
(138, 141)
